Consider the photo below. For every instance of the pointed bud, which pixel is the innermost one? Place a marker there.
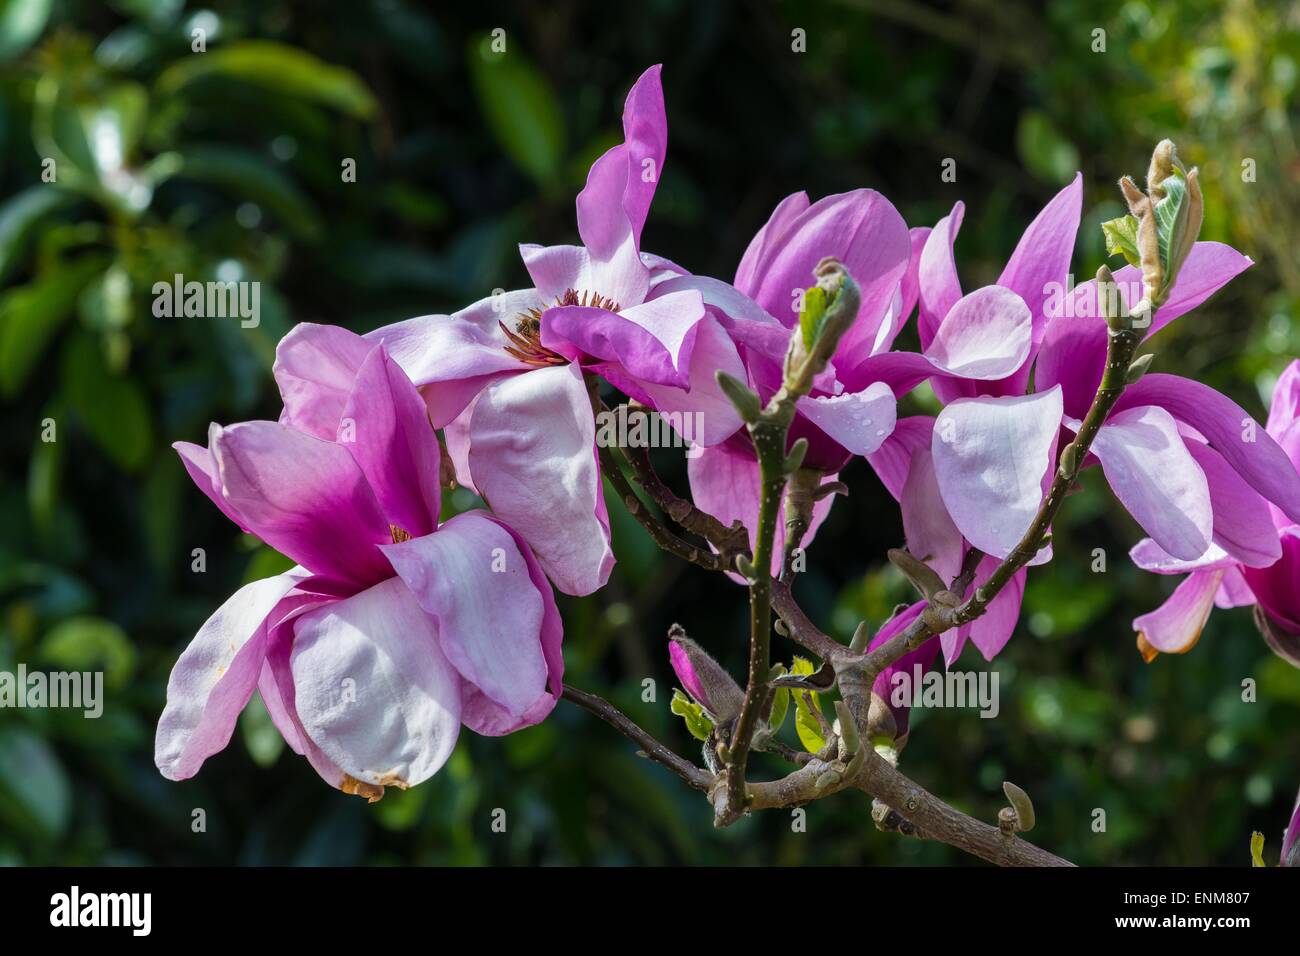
(1139, 367)
(1023, 806)
(922, 576)
(846, 727)
(861, 637)
(829, 309)
(741, 396)
(794, 458)
(705, 679)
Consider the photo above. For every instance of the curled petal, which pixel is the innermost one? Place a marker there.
(372, 688)
(986, 335)
(386, 429)
(471, 577)
(315, 366)
(859, 421)
(1175, 626)
(1041, 260)
(533, 455)
(215, 676)
(991, 456)
(1156, 478)
(702, 414)
(937, 274)
(931, 535)
(305, 497)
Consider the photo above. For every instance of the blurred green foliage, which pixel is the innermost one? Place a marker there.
(230, 163)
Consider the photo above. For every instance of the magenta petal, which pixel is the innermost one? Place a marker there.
(314, 368)
(685, 672)
(651, 342)
(1291, 838)
(1073, 352)
(1230, 431)
(1284, 409)
(724, 482)
(985, 335)
(472, 578)
(862, 229)
(386, 428)
(214, 677)
(625, 186)
(991, 456)
(1277, 588)
(305, 497)
(533, 455)
(450, 358)
(1175, 626)
(1149, 556)
(931, 535)
(937, 274)
(1208, 268)
(1041, 260)
(892, 460)
(1243, 526)
(372, 688)
(858, 421)
(202, 468)
(702, 414)
(991, 631)
(1156, 478)
(909, 666)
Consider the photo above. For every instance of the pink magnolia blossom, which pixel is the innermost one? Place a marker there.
(505, 376)
(393, 630)
(851, 409)
(1254, 557)
(1172, 449)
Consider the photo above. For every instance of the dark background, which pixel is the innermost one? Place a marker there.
(232, 164)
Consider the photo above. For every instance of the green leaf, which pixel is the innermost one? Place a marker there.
(250, 178)
(263, 741)
(806, 724)
(34, 788)
(90, 643)
(113, 408)
(278, 68)
(1121, 239)
(697, 722)
(813, 315)
(520, 108)
(21, 23)
(31, 314)
(1168, 222)
(19, 217)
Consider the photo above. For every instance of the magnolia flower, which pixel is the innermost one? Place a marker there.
(851, 409)
(1254, 557)
(393, 630)
(888, 713)
(1173, 450)
(705, 680)
(505, 376)
(1291, 839)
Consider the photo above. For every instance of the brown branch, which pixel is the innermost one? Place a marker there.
(697, 777)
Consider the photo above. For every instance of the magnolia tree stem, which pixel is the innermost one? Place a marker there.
(820, 775)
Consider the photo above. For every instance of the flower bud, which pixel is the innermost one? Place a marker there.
(705, 679)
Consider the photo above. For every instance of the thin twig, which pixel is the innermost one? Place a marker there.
(695, 776)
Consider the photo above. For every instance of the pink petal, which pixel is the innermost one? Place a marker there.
(937, 274)
(1156, 478)
(991, 456)
(1284, 410)
(859, 421)
(533, 455)
(305, 497)
(985, 335)
(386, 428)
(702, 414)
(724, 482)
(1276, 587)
(1208, 268)
(1042, 257)
(991, 631)
(314, 367)
(931, 534)
(893, 459)
(202, 468)
(472, 579)
(555, 270)
(1227, 427)
(767, 241)
(1175, 626)
(214, 677)
(1243, 526)
(372, 688)
(862, 229)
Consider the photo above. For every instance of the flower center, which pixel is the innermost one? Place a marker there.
(398, 534)
(526, 337)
